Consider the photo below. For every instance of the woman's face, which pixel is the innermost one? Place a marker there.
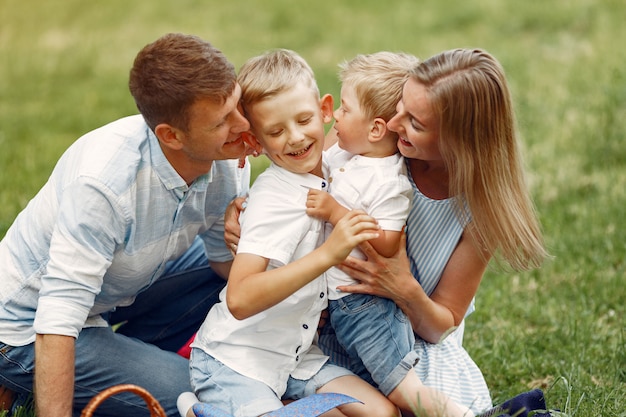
(416, 124)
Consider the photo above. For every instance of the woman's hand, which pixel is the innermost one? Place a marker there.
(232, 228)
(432, 316)
(379, 275)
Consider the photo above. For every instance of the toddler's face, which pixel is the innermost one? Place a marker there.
(350, 122)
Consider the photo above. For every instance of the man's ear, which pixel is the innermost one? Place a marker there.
(169, 136)
(252, 143)
(378, 130)
(326, 105)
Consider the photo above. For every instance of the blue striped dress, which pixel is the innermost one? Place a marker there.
(433, 232)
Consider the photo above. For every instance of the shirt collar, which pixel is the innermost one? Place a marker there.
(305, 180)
(370, 161)
(166, 172)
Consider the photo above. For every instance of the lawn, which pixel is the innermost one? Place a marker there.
(64, 69)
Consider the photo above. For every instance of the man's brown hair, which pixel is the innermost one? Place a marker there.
(174, 71)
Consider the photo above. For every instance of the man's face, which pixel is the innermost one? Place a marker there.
(214, 131)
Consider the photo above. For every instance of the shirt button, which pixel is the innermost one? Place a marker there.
(298, 349)
(342, 170)
(321, 295)
(324, 184)
(297, 358)
(305, 326)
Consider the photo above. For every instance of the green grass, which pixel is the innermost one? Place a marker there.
(64, 67)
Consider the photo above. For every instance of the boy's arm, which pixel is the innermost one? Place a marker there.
(221, 268)
(252, 289)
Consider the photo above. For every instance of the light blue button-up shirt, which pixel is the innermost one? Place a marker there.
(102, 228)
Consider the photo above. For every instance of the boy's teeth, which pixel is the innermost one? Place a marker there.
(301, 152)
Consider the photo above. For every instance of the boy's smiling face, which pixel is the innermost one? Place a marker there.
(290, 127)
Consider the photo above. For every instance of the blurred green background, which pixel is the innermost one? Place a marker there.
(64, 68)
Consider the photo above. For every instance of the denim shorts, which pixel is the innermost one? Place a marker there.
(241, 396)
(377, 336)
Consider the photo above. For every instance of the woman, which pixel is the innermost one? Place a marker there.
(470, 203)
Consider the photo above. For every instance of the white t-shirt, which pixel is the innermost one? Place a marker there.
(277, 342)
(378, 186)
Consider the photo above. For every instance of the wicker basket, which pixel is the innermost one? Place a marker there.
(153, 405)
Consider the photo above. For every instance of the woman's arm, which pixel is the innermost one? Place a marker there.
(390, 277)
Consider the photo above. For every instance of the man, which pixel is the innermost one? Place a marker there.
(134, 207)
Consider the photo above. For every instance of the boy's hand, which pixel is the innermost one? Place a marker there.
(351, 230)
(322, 205)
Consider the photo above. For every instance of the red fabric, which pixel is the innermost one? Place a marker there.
(185, 351)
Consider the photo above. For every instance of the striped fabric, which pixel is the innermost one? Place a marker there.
(433, 232)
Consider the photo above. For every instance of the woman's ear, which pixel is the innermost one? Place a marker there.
(169, 136)
(326, 105)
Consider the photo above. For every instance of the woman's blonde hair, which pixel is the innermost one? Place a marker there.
(377, 80)
(478, 142)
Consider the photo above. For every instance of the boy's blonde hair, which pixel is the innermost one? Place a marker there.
(478, 142)
(273, 72)
(377, 80)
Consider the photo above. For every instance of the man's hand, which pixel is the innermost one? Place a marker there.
(232, 228)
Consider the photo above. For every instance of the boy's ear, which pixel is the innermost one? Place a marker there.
(169, 136)
(378, 130)
(326, 105)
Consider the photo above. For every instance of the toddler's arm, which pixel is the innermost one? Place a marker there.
(322, 205)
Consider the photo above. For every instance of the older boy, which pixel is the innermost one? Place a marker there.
(256, 347)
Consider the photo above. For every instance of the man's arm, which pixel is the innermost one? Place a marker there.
(54, 376)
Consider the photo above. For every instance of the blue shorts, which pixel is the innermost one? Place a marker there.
(217, 384)
(377, 336)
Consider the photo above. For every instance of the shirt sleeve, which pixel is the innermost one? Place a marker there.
(228, 182)
(88, 228)
(274, 224)
(391, 203)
